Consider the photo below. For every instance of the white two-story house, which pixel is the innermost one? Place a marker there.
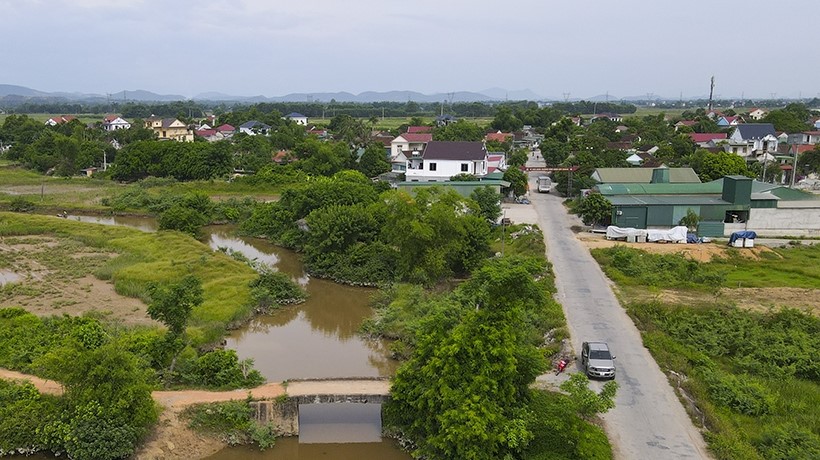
(442, 160)
(753, 141)
(405, 146)
(115, 122)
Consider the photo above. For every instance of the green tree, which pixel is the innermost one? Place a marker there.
(108, 401)
(595, 209)
(808, 162)
(461, 130)
(463, 177)
(505, 121)
(183, 219)
(172, 304)
(462, 394)
(374, 161)
(586, 402)
(517, 158)
(710, 166)
(489, 202)
(690, 220)
(517, 180)
(792, 119)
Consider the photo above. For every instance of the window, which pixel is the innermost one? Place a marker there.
(465, 167)
(432, 166)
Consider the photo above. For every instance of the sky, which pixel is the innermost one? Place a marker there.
(575, 49)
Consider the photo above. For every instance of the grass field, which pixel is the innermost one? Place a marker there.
(389, 123)
(49, 193)
(84, 117)
(752, 373)
(142, 258)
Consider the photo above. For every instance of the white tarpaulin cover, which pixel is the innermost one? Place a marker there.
(613, 232)
(674, 234)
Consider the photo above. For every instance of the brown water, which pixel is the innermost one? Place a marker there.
(315, 339)
(146, 224)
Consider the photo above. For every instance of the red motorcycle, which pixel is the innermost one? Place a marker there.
(562, 364)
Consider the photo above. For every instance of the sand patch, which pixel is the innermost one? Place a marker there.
(54, 278)
(704, 252)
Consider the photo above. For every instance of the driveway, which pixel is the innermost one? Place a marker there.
(648, 421)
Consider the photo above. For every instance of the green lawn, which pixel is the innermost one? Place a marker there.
(797, 267)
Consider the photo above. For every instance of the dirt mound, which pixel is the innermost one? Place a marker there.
(704, 252)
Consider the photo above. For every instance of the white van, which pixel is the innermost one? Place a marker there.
(544, 184)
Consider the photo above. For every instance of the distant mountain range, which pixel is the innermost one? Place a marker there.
(15, 94)
(11, 95)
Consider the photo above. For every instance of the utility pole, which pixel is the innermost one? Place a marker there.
(711, 92)
(503, 230)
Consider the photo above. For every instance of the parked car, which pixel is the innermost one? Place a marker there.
(597, 360)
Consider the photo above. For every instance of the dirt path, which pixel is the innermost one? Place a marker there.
(43, 386)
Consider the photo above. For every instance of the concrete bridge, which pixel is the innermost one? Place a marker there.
(283, 411)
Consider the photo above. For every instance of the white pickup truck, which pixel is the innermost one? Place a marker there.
(544, 184)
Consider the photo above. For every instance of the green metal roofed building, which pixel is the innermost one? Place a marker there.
(723, 205)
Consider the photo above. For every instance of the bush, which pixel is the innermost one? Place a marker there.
(231, 421)
(739, 393)
(20, 204)
(560, 434)
(275, 288)
(789, 442)
(183, 219)
(223, 369)
(637, 267)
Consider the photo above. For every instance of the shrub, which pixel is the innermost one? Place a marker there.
(183, 219)
(789, 442)
(230, 421)
(272, 288)
(739, 393)
(20, 204)
(223, 369)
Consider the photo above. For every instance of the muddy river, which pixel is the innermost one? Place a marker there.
(315, 339)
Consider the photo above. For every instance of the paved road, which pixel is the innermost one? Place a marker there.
(648, 421)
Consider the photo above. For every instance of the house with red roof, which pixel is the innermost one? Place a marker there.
(419, 129)
(54, 121)
(496, 161)
(727, 121)
(707, 139)
(689, 123)
(440, 160)
(226, 130)
(498, 137)
(282, 156)
(210, 135)
(115, 122)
